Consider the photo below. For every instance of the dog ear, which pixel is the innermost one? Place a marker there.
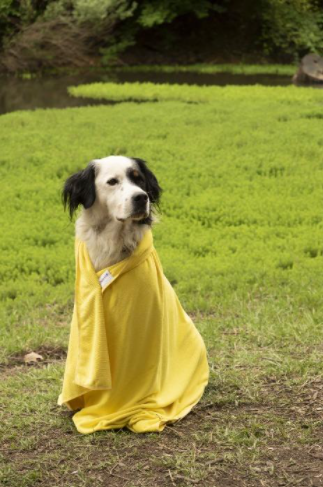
(79, 189)
(153, 189)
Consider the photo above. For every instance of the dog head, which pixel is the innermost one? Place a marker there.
(124, 188)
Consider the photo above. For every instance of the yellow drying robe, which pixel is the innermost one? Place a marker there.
(135, 358)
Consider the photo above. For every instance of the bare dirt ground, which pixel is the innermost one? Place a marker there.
(274, 441)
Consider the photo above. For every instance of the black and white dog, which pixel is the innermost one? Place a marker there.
(118, 195)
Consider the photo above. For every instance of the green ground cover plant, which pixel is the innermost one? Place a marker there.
(240, 239)
(247, 69)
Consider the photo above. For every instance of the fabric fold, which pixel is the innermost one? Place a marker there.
(93, 363)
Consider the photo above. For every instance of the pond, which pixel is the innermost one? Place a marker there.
(51, 91)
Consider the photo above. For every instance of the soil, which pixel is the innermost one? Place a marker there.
(282, 458)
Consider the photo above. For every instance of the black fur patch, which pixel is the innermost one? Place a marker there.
(149, 181)
(79, 189)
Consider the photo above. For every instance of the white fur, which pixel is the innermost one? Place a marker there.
(107, 227)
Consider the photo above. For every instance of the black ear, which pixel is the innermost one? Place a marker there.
(152, 187)
(79, 189)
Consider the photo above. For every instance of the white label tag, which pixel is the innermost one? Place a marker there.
(105, 279)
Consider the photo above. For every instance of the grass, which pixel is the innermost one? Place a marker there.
(247, 69)
(240, 238)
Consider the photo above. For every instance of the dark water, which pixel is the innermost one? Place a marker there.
(51, 91)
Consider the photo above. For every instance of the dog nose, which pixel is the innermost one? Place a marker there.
(140, 198)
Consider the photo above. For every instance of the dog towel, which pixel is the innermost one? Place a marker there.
(135, 358)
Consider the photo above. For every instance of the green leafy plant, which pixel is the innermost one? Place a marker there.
(292, 27)
(241, 217)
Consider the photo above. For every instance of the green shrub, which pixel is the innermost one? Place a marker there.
(292, 27)
(278, 29)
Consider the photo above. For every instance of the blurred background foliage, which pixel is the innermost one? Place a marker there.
(37, 34)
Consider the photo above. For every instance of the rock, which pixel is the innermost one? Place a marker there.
(310, 70)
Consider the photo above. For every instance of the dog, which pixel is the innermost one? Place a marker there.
(118, 195)
(135, 358)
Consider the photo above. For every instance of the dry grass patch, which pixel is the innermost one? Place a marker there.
(273, 441)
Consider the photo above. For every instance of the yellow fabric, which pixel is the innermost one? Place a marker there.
(135, 358)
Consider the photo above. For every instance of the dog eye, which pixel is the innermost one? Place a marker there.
(137, 176)
(112, 181)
